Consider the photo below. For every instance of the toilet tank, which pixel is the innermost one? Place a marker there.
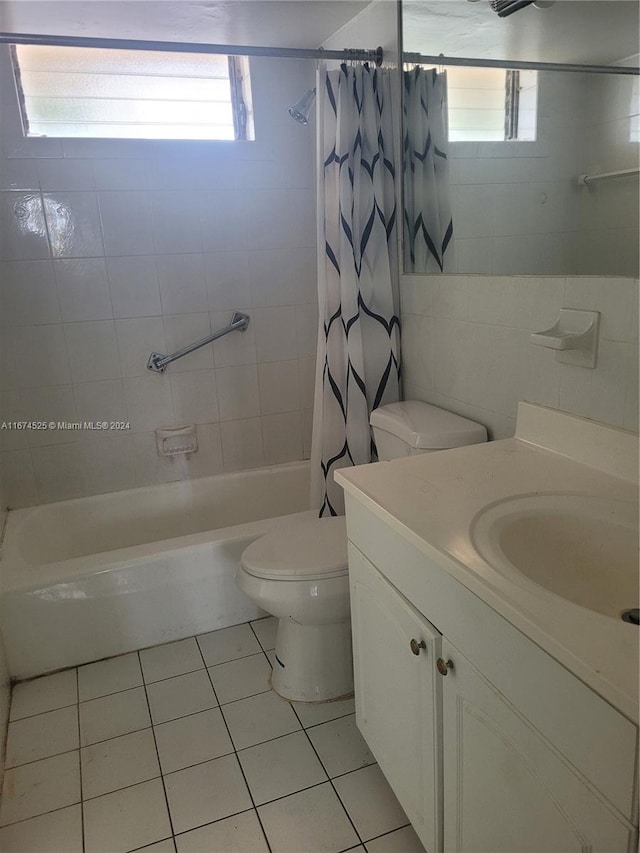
(410, 427)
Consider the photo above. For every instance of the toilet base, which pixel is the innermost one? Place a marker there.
(313, 662)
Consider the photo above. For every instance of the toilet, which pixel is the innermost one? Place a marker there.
(299, 572)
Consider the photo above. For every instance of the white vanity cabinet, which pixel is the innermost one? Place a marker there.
(398, 694)
(506, 789)
(478, 771)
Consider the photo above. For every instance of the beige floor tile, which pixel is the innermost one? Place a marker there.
(266, 630)
(259, 718)
(180, 696)
(165, 846)
(402, 840)
(41, 736)
(206, 792)
(192, 740)
(59, 831)
(238, 679)
(228, 644)
(112, 716)
(171, 659)
(281, 767)
(109, 676)
(126, 819)
(340, 746)
(312, 821)
(370, 802)
(40, 787)
(315, 713)
(118, 763)
(241, 833)
(44, 694)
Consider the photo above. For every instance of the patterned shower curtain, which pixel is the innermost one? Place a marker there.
(358, 345)
(428, 227)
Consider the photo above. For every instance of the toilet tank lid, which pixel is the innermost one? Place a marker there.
(313, 547)
(427, 427)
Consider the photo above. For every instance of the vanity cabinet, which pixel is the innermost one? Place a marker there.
(506, 789)
(398, 694)
(478, 771)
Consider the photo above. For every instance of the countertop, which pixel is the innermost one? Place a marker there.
(432, 499)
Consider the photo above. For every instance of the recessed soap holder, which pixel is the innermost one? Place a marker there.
(574, 337)
(177, 440)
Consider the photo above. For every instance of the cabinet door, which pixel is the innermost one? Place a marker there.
(506, 788)
(398, 695)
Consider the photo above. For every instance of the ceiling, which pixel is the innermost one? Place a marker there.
(585, 31)
(284, 23)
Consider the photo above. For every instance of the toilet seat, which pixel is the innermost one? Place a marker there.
(303, 550)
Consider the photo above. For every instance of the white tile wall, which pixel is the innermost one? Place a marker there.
(465, 347)
(114, 249)
(517, 207)
(608, 237)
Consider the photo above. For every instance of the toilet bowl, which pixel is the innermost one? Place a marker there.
(300, 575)
(299, 572)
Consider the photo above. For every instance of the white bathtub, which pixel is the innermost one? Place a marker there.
(88, 578)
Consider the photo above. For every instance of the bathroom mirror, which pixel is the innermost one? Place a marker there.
(501, 193)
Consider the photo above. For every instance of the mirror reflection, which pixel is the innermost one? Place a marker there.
(508, 171)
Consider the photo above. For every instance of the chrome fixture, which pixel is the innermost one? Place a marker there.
(504, 8)
(301, 110)
(441, 59)
(158, 362)
(351, 54)
(585, 180)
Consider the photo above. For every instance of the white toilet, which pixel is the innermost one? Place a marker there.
(299, 572)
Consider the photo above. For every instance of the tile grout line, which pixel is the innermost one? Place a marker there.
(344, 808)
(39, 815)
(80, 758)
(155, 743)
(44, 758)
(235, 751)
(172, 720)
(153, 843)
(330, 780)
(42, 713)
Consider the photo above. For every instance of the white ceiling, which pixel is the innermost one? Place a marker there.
(586, 31)
(284, 23)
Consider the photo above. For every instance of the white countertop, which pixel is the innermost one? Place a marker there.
(432, 499)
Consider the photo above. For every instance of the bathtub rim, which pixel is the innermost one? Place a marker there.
(20, 575)
(30, 578)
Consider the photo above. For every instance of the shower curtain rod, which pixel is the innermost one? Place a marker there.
(348, 54)
(421, 59)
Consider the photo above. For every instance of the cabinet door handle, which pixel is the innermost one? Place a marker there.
(416, 646)
(444, 666)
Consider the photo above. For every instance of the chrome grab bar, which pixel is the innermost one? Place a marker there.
(585, 180)
(158, 362)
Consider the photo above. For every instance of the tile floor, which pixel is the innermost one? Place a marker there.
(184, 748)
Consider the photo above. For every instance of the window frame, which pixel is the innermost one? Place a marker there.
(239, 77)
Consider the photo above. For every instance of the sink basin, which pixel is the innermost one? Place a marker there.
(582, 548)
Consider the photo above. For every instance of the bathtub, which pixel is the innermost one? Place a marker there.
(89, 578)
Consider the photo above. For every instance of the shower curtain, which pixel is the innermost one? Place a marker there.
(428, 227)
(358, 342)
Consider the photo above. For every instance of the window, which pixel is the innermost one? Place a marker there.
(491, 104)
(129, 94)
